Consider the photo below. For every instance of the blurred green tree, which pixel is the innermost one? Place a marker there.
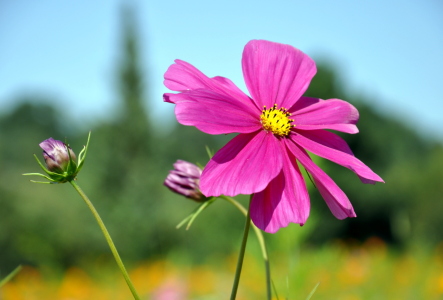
(130, 159)
(25, 229)
(399, 155)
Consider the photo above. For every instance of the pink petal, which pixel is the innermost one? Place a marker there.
(304, 102)
(183, 76)
(276, 73)
(169, 97)
(335, 198)
(285, 200)
(235, 91)
(215, 113)
(332, 114)
(330, 146)
(341, 209)
(245, 165)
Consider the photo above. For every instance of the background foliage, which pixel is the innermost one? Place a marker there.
(130, 156)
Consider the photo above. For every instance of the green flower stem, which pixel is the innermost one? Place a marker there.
(241, 256)
(261, 241)
(108, 239)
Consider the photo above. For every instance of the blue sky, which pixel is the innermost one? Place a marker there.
(388, 51)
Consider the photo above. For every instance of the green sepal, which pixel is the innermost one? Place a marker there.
(46, 182)
(44, 176)
(72, 168)
(52, 175)
(209, 152)
(190, 219)
(82, 154)
(43, 167)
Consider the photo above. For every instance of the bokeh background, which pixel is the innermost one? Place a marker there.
(70, 67)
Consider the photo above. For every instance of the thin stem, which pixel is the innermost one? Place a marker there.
(241, 256)
(108, 239)
(10, 275)
(261, 241)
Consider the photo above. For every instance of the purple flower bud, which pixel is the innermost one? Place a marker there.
(56, 155)
(185, 180)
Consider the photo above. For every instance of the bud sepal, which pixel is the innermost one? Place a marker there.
(190, 219)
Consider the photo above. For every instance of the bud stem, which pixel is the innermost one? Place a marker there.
(108, 239)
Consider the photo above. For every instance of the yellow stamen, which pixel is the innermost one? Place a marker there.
(276, 120)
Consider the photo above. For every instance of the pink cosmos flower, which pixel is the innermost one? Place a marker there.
(276, 126)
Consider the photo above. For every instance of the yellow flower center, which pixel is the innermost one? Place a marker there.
(276, 120)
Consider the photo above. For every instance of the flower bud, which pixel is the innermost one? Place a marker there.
(60, 161)
(185, 180)
(56, 155)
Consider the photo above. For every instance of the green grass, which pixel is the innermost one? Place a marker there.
(367, 271)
